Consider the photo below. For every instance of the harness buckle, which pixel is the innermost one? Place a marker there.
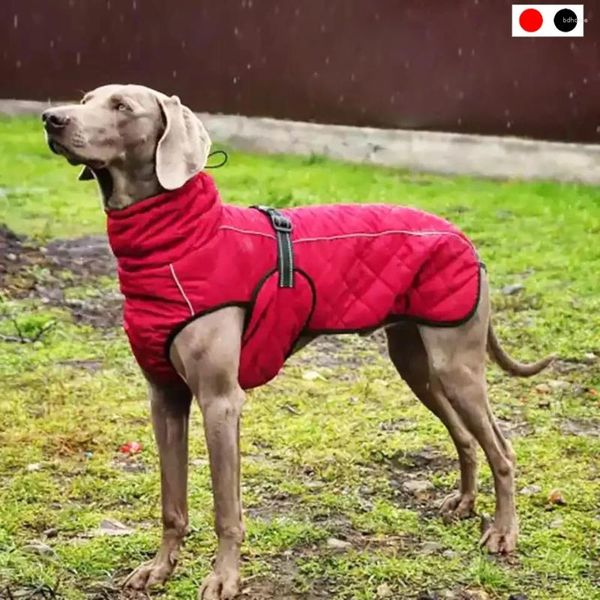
(280, 222)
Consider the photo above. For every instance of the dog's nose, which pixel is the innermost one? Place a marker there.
(54, 121)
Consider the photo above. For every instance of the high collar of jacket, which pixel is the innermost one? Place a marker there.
(162, 229)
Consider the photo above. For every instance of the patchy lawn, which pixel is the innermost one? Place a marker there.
(328, 446)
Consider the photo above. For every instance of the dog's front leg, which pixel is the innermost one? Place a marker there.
(221, 413)
(207, 354)
(170, 407)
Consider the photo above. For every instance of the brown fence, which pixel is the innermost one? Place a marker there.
(447, 65)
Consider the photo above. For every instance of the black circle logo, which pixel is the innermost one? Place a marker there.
(565, 20)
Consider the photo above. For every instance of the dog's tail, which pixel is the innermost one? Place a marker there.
(509, 364)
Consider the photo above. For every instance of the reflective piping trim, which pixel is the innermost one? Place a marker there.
(379, 234)
(231, 228)
(280, 258)
(177, 282)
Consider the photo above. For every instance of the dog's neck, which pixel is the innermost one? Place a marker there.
(123, 187)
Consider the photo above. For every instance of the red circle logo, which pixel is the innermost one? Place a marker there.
(531, 20)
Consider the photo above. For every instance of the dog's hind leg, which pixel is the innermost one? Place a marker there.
(457, 365)
(408, 354)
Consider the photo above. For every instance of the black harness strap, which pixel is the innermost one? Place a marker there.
(285, 253)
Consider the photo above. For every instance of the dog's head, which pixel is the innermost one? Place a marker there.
(131, 130)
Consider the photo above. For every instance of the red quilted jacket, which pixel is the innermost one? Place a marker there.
(182, 254)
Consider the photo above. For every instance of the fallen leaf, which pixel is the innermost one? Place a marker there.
(558, 384)
(312, 376)
(431, 548)
(556, 497)
(514, 288)
(336, 544)
(531, 490)
(417, 486)
(38, 547)
(51, 533)
(33, 467)
(384, 591)
(112, 527)
(131, 448)
(543, 388)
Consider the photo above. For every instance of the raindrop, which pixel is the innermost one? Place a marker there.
(129, 56)
(235, 80)
(571, 94)
(508, 124)
(236, 31)
(103, 39)
(323, 28)
(327, 60)
(392, 99)
(16, 21)
(598, 129)
(51, 43)
(134, 5)
(352, 77)
(107, 4)
(459, 121)
(585, 80)
(250, 3)
(472, 51)
(297, 11)
(78, 58)
(249, 66)
(183, 44)
(460, 94)
(506, 112)
(174, 74)
(407, 64)
(18, 64)
(460, 51)
(315, 75)
(340, 98)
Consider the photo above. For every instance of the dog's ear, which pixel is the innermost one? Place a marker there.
(86, 174)
(183, 149)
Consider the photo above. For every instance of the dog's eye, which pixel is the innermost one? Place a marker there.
(122, 107)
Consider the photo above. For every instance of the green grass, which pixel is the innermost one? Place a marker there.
(323, 458)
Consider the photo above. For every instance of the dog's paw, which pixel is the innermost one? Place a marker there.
(150, 574)
(220, 585)
(457, 506)
(500, 540)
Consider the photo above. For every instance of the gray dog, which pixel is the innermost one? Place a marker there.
(137, 143)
